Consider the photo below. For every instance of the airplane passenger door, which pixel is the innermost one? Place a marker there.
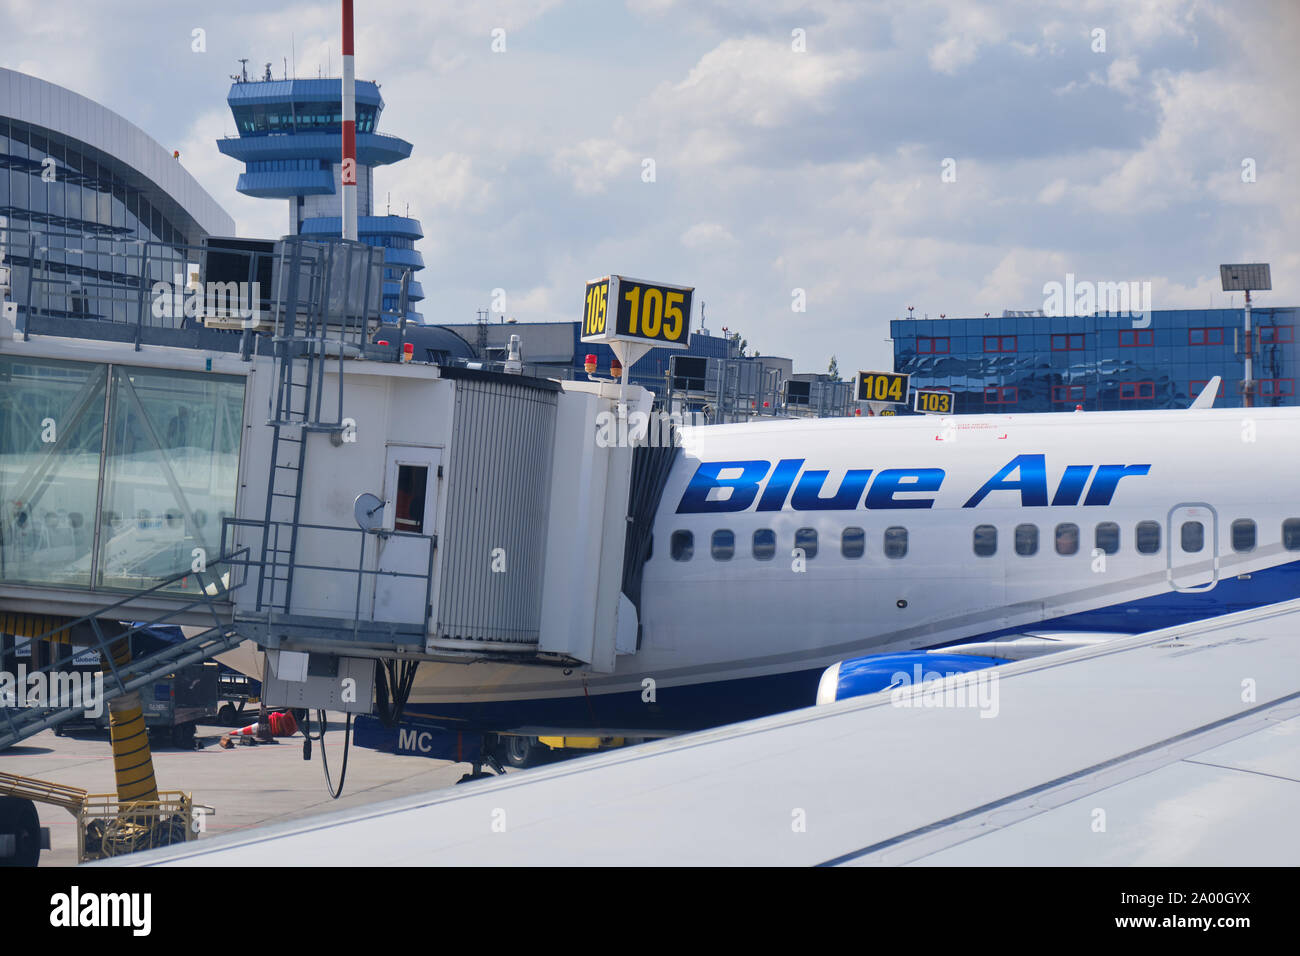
(1192, 547)
(410, 508)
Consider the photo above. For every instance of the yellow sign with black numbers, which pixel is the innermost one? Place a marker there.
(621, 309)
(933, 402)
(593, 315)
(882, 387)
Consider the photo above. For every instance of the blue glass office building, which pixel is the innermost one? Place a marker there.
(290, 143)
(1032, 363)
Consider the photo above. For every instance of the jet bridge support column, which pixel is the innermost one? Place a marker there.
(132, 756)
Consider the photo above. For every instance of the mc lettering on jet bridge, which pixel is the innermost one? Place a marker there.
(727, 486)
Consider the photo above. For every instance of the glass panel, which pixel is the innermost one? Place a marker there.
(895, 542)
(51, 431)
(1107, 537)
(412, 480)
(1067, 539)
(1147, 536)
(683, 545)
(1291, 534)
(806, 538)
(853, 542)
(172, 470)
(1193, 534)
(1243, 535)
(985, 540)
(723, 546)
(764, 544)
(1026, 539)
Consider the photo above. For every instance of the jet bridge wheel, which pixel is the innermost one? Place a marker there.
(522, 751)
(18, 818)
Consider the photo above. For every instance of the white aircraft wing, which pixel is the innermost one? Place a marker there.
(1175, 747)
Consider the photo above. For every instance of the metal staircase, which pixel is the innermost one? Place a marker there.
(323, 312)
(18, 722)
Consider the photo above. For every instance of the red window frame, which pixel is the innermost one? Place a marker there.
(1066, 393)
(1276, 334)
(1069, 339)
(1140, 390)
(1210, 335)
(1276, 387)
(997, 394)
(1199, 383)
(933, 342)
(1136, 338)
(1000, 343)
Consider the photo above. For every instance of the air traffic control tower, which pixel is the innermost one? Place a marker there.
(289, 144)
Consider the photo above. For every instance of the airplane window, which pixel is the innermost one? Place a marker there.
(895, 542)
(723, 546)
(764, 544)
(806, 538)
(1243, 535)
(1026, 539)
(1291, 534)
(853, 542)
(985, 540)
(1147, 536)
(1193, 534)
(1067, 539)
(683, 545)
(1106, 539)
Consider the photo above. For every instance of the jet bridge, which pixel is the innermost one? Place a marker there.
(296, 479)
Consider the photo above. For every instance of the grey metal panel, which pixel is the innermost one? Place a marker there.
(498, 487)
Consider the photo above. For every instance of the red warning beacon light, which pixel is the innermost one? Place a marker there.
(590, 363)
(615, 368)
(408, 352)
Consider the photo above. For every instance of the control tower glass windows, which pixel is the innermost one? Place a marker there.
(287, 117)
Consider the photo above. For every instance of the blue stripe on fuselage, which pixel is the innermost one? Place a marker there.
(697, 706)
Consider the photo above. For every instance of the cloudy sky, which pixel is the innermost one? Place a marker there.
(795, 145)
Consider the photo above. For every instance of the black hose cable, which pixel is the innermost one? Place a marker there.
(324, 758)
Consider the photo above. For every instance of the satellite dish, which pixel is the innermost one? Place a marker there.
(367, 510)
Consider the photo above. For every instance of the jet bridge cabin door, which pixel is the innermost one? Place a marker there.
(1192, 547)
(410, 508)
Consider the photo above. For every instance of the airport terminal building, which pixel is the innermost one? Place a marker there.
(78, 184)
(1034, 363)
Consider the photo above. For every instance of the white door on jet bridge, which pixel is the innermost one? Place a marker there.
(410, 507)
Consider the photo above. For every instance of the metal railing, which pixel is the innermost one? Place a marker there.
(18, 722)
(282, 563)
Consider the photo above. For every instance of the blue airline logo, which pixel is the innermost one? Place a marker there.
(749, 481)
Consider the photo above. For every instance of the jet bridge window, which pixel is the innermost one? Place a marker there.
(1291, 534)
(1193, 535)
(806, 538)
(683, 545)
(411, 483)
(1067, 538)
(895, 542)
(985, 540)
(723, 546)
(1026, 539)
(1147, 537)
(853, 542)
(1243, 535)
(1106, 537)
(764, 544)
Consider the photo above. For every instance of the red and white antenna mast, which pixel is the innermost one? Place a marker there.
(349, 172)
